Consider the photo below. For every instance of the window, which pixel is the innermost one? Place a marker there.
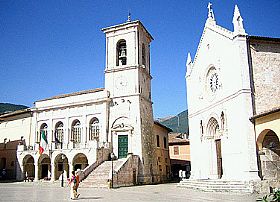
(43, 130)
(143, 54)
(176, 150)
(76, 132)
(121, 53)
(58, 134)
(94, 129)
(164, 142)
(157, 141)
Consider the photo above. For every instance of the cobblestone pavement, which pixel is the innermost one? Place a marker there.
(21, 191)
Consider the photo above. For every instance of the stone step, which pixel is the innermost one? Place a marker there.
(99, 177)
(216, 185)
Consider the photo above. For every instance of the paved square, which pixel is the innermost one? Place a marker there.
(164, 192)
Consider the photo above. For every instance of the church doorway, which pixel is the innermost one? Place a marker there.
(219, 158)
(122, 146)
(215, 149)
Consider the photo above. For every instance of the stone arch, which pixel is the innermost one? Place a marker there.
(213, 128)
(44, 167)
(122, 123)
(59, 135)
(269, 154)
(61, 166)
(76, 129)
(121, 52)
(94, 129)
(80, 161)
(28, 166)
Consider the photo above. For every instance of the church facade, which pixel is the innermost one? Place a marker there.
(81, 130)
(230, 84)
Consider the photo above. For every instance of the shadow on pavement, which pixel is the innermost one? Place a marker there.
(87, 198)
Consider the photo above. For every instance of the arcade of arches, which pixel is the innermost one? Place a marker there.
(42, 167)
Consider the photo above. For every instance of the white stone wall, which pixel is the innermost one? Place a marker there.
(16, 127)
(67, 110)
(227, 53)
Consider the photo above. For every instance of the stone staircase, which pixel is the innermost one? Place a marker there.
(99, 177)
(217, 185)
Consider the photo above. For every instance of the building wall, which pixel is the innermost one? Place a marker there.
(266, 73)
(8, 158)
(184, 151)
(15, 127)
(162, 153)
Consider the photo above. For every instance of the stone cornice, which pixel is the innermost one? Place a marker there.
(220, 102)
(65, 106)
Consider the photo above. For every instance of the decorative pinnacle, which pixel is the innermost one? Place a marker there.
(189, 59)
(210, 11)
(129, 17)
(237, 21)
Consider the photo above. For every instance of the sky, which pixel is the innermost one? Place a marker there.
(56, 47)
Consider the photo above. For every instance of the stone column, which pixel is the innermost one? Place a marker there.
(130, 142)
(36, 170)
(53, 171)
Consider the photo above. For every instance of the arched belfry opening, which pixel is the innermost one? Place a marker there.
(269, 154)
(215, 144)
(121, 53)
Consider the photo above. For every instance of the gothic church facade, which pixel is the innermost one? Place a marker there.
(230, 83)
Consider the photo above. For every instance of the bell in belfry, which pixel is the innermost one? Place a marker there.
(122, 52)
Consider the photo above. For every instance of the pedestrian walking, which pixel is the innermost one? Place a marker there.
(77, 183)
(73, 183)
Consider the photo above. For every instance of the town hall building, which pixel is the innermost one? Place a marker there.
(111, 129)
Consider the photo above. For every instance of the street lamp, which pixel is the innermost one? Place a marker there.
(112, 158)
(62, 157)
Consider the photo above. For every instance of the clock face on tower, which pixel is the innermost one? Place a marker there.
(121, 82)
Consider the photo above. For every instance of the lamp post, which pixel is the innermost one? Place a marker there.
(112, 159)
(62, 157)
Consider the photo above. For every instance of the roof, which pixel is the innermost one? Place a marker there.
(14, 113)
(262, 38)
(73, 94)
(274, 110)
(127, 23)
(163, 126)
(177, 138)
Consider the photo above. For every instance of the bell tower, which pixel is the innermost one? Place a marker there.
(128, 79)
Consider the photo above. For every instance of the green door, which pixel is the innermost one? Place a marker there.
(122, 146)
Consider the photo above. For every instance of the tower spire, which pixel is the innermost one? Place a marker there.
(237, 22)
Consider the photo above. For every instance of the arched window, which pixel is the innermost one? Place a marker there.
(58, 134)
(76, 132)
(121, 53)
(143, 54)
(94, 129)
(43, 129)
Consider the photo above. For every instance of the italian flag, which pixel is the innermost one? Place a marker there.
(43, 142)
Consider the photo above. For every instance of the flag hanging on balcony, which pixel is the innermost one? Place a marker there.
(43, 142)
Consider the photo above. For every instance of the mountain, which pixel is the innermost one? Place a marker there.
(178, 123)
(7, 107)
